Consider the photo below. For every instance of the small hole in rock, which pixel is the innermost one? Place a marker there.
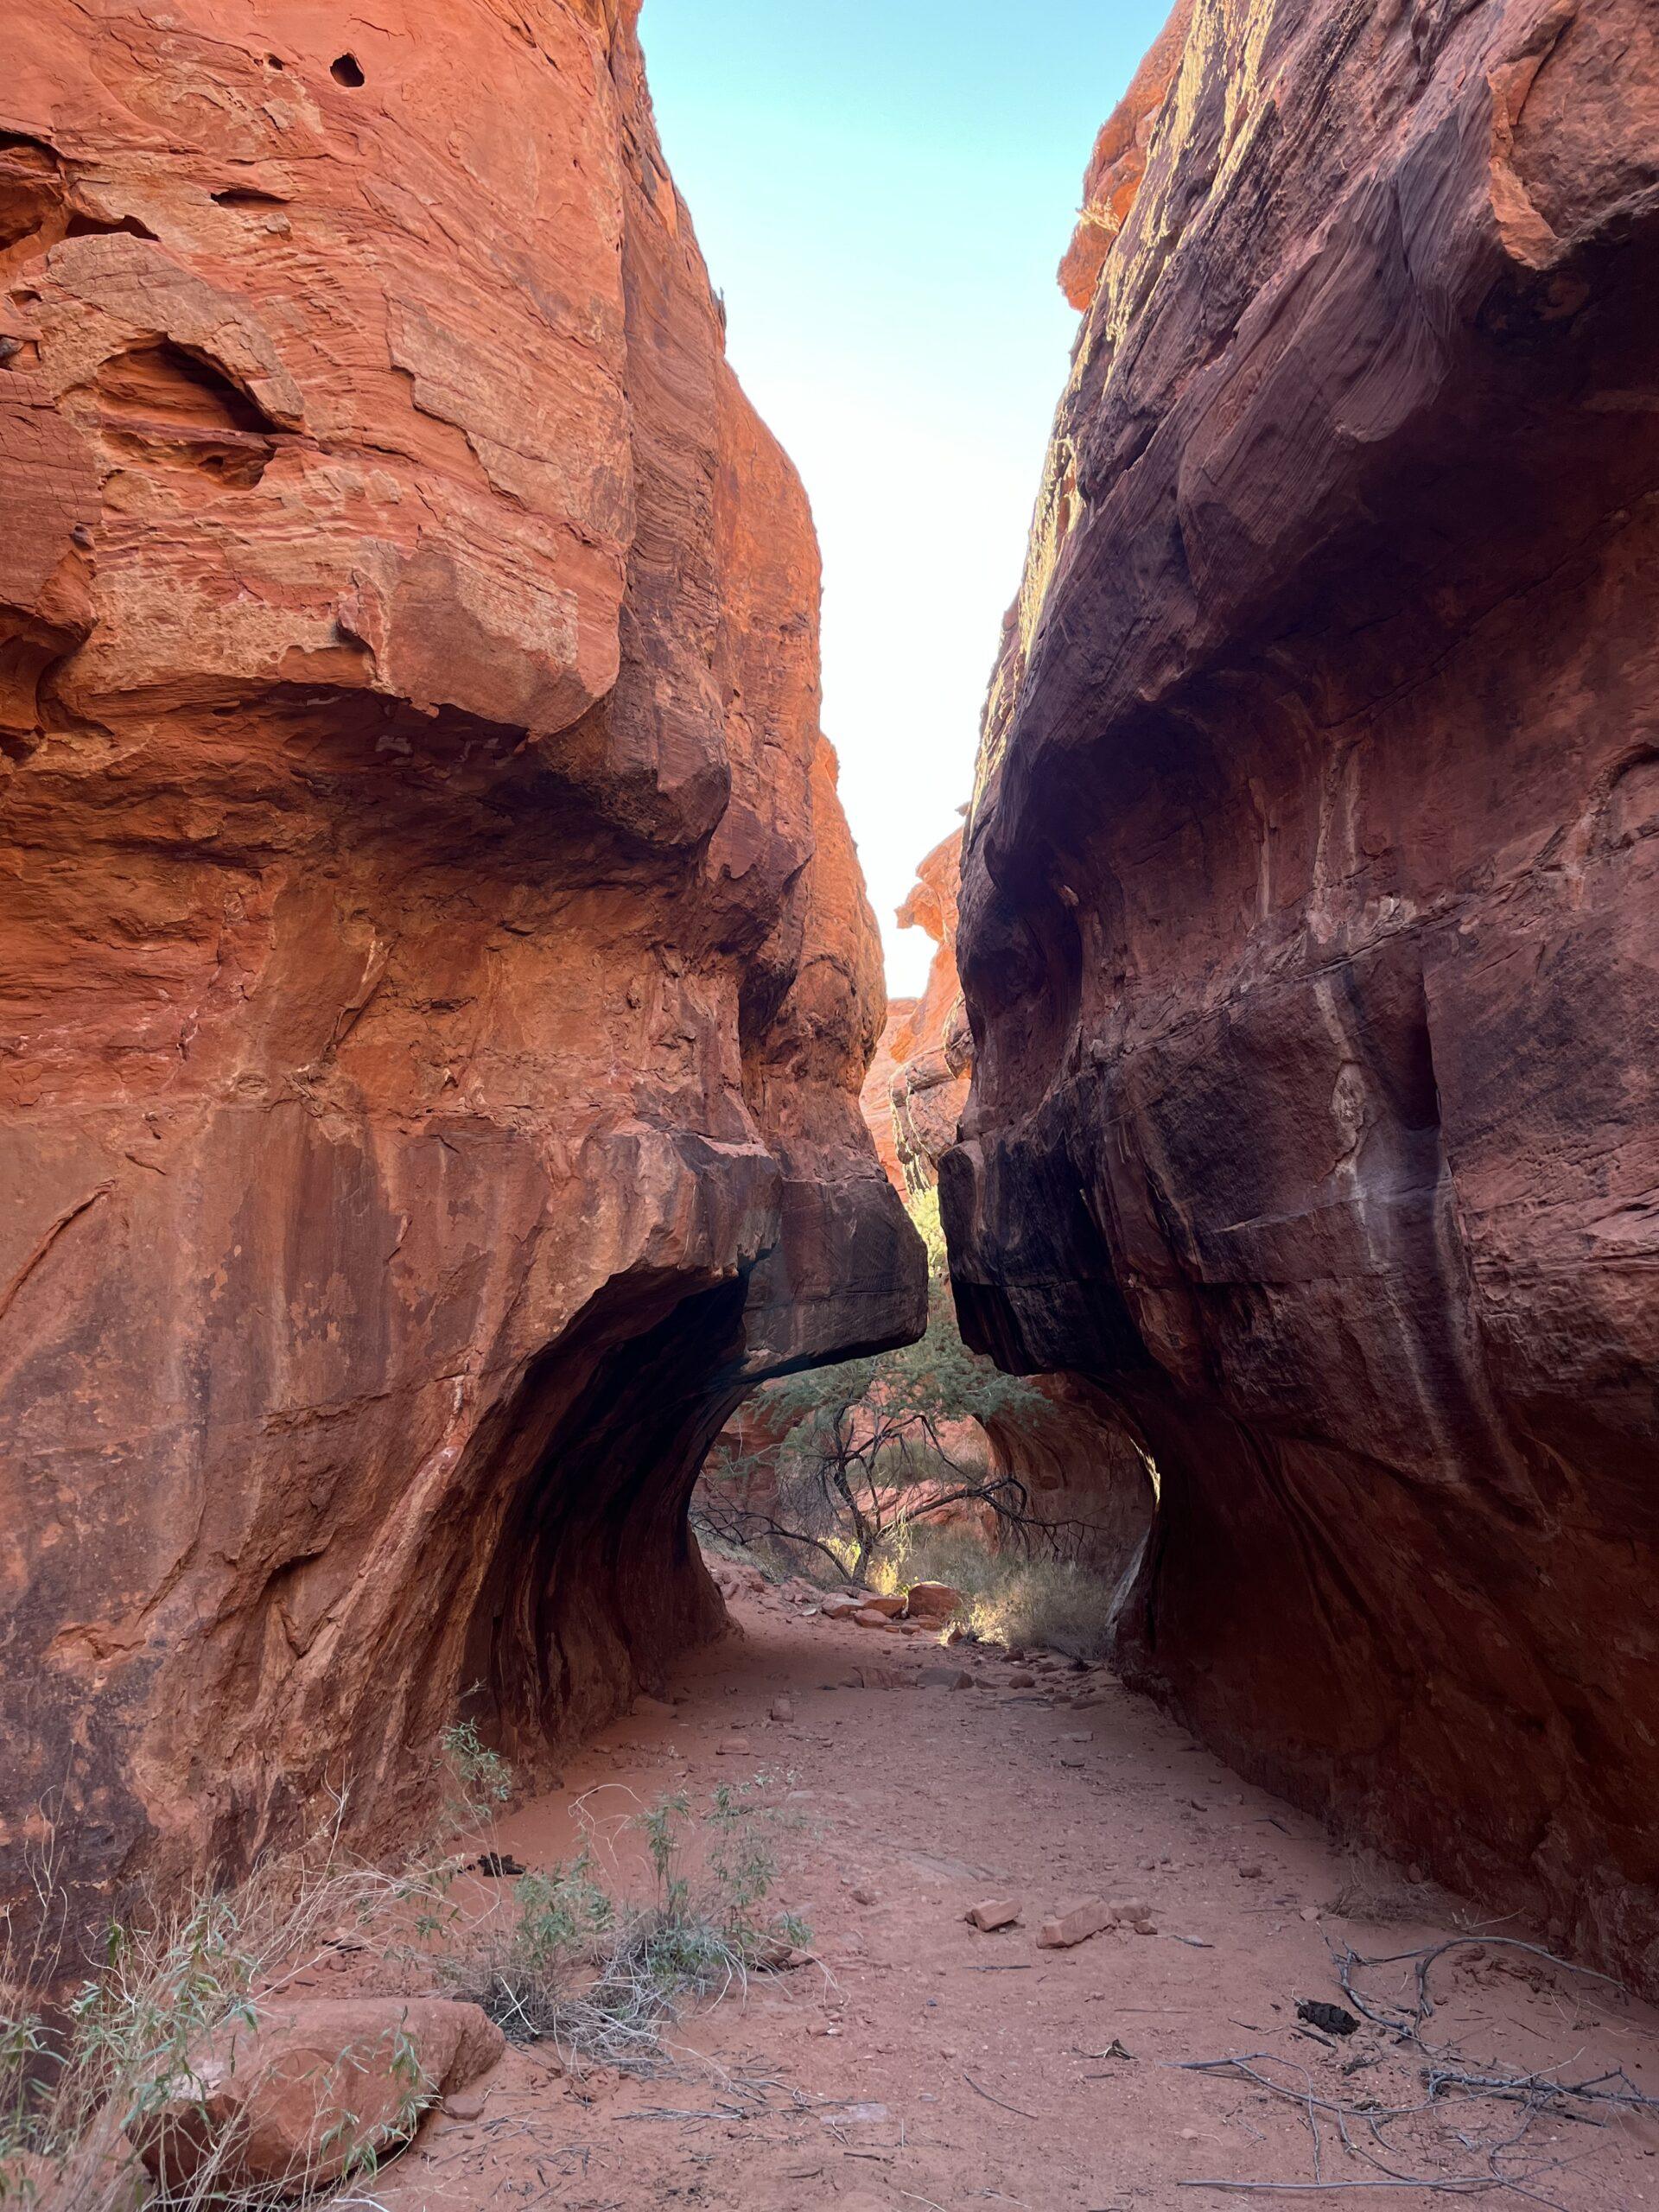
(348, 70)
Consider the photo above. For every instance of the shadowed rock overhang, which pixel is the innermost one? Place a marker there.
(1311, 918)
(437, 974)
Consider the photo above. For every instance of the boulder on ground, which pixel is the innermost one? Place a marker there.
(841, 1605)
(312, 2088)
(737, 1578)
(993, 1913)
(931, 1601)
(93, 2172)
(1076, 1925)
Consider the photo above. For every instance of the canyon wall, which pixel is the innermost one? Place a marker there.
(438, 978)
(875, 1099)
(1311, 923)
(1084, 1473)
(918, 1083)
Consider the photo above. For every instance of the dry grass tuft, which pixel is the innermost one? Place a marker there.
(1375, 1893)
(598, 1976)
(557, 1955)
(80, 2089)
(1010, 1598)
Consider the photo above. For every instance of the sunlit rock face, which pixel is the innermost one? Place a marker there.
(1310, 926)
(918, 1082)
(438, 978)
(875, 1099)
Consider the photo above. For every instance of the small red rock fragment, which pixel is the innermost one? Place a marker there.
(993, 1913)
(1076, 1925)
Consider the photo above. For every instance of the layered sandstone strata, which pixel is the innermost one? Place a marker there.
(1310, 922)
(437, 976)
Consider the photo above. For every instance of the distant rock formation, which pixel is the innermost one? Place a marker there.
(438, 978)
(1311, 923)
(875, 1100)
(1119, 161)
(930, 1085)
(1084, 1472)
(918, 1082)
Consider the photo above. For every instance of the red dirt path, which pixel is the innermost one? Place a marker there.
(922, 2064)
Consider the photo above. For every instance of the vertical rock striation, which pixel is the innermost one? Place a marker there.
(1311, 924)
(436, 974)
(1084, 1471)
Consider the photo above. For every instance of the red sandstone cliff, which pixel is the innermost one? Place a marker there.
(437, 976)
(918, 1082)
(1119, 161)
(1082, 1469)
(875, 1099)
(1311, 917)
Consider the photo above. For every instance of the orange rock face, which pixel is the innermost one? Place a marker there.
(437, 976)
(917, 1082)
(930, 1085)
(1311, 916)
(1119, 161)
(875, 1100)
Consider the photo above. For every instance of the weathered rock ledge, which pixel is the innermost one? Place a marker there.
(437, 975)
(1310, 922)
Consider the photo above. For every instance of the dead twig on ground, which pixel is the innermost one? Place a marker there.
(990, 2099)
(1471, 2188)
(1410, 2024)
(1375, 2118)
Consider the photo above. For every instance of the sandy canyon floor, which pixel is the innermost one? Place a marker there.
(916, 2063)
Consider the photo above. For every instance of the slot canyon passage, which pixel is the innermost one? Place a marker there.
(437, 990)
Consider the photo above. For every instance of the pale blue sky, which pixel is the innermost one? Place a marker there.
(882, 190)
